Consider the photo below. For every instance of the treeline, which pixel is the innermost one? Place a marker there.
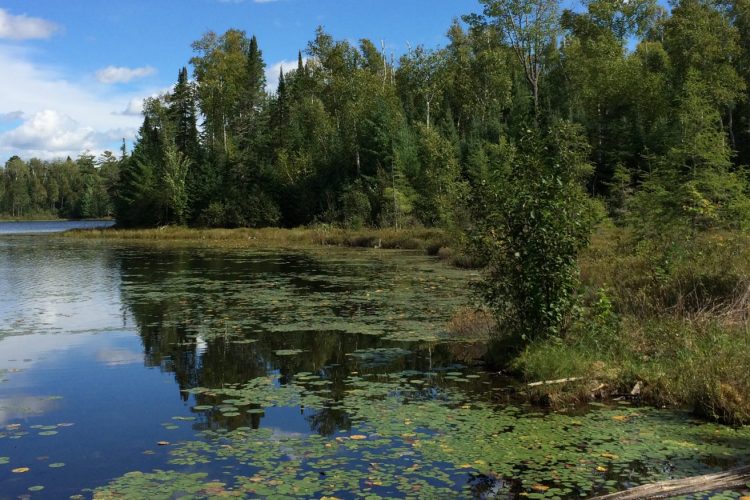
(653, 105)
(67, 189)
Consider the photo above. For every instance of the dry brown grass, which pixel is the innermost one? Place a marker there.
(472, 324)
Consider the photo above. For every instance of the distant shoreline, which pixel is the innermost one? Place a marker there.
(48, 219)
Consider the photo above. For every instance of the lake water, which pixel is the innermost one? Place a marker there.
(137, 372)
(37, 227)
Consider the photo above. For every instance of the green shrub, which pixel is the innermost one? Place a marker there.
(531, 224)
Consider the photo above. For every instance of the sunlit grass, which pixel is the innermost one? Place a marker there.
(404, 239)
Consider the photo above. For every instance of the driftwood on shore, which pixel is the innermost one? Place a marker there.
(554, 382)
(734, 478)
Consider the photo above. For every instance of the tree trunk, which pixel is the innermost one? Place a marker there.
(428, 114)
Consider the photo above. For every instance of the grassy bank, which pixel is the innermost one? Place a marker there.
(668, 319)
(428, 240)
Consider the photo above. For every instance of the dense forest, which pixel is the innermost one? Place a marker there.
(646, 109)
(61, 188)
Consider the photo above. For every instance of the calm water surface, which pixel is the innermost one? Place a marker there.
(291, 374)
(37, 227)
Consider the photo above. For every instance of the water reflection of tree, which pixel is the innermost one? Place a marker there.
(170, 292)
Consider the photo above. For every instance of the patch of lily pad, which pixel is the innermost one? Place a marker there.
(353, 294)
(410, 439)
(18, 431)
(288, 352)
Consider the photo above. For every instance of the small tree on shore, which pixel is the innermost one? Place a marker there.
(533, 218)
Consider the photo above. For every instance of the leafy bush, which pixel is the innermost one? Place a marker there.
(213, 215)
(531, 224)
(355, 208)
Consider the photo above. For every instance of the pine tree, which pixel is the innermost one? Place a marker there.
(182, 110)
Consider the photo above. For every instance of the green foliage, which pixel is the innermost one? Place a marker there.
(353, 137)
(530, 28)
(69, 189)
(175, 188)
(531, 225)
(355, 207)
(439, 183)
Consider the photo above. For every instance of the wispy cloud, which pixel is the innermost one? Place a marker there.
(12, 116)
(134, 107)
(121, 74)
(23, 27)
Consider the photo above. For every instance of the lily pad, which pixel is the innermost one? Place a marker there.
(288, 352)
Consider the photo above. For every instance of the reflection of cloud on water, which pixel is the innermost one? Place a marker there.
(200, 346)
(45, 288)
(118, 357)
(23, 351)
(281, 436)
(22, 406)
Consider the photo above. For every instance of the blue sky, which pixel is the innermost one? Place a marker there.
(73, 74)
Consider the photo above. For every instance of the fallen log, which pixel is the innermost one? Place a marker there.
(734, 478)
(553, 382)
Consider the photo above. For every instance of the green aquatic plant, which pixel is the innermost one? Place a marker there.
(427, 441)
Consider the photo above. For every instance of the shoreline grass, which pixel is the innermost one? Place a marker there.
(422, 239)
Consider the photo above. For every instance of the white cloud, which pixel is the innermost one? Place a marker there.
(25, 28)
(273, 71)
(90, 115)
(49, 131)
(119, 74)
